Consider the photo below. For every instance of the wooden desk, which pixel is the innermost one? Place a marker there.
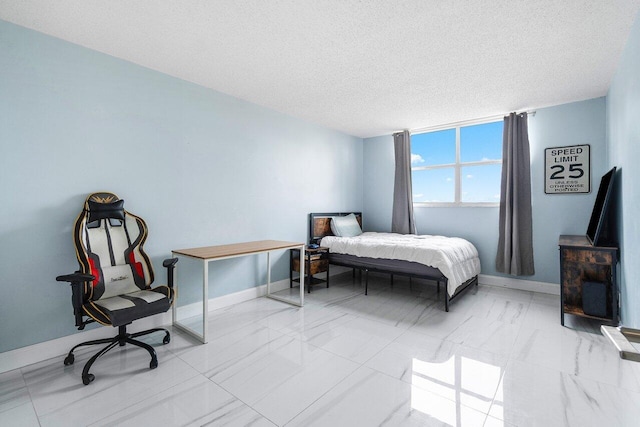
(215, 253)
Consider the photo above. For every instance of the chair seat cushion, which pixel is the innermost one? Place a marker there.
(123, 309)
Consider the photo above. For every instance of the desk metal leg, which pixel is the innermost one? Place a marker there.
(279, 298)
(205, 305)
(268, 273)
(205, 300)
(174, 306)
(302, 276)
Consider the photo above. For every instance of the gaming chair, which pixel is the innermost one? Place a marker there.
(113, 285)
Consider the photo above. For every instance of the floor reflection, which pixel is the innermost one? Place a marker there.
(462, 381)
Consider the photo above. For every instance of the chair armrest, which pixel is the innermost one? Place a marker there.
(170, 264)
(76, 277)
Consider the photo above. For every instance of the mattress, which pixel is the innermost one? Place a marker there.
(457, 259)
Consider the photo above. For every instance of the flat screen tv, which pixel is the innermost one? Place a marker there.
(598, 221)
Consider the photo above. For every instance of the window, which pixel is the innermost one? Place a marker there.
(457, 166)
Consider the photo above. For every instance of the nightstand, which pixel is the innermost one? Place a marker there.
(317, 261)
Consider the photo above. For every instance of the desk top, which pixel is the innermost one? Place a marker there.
(246, 248)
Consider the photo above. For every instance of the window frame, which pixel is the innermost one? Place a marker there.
(457, 167)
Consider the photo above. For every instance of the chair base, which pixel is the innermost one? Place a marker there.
(121, 339)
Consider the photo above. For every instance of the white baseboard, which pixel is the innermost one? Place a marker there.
(223, 301)
(522, 285)
(20, 357)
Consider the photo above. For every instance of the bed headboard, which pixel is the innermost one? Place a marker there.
(320, 224)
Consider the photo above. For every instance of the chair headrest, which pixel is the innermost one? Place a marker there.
(103, 206)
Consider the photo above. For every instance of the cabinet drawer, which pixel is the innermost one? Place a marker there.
(588, 256)
(317, 265)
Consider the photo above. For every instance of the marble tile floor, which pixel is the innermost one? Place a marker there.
(394, 357)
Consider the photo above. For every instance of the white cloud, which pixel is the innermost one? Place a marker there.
(449, 179)
(417, 196)
(469, 176)
(416, 158)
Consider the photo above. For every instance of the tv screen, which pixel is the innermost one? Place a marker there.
(598, 216)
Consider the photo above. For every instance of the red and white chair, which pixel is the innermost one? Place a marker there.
(113, 284)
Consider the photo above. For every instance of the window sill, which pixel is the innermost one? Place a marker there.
(455, 205)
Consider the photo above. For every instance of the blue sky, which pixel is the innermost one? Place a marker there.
(478, 183)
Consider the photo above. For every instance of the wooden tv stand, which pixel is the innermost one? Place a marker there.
(581, 262)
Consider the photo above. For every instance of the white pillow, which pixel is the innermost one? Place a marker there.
(345, 226)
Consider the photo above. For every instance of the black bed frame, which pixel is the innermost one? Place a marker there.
(319, 228)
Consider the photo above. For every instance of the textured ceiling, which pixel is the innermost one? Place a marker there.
(366, 67)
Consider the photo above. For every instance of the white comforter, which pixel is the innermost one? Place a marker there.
(456, 258)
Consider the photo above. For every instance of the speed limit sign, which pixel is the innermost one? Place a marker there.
(567, 170)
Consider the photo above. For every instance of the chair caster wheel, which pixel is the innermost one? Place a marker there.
(153, 364)
(86, 379)
(166, 339)
(69, 360)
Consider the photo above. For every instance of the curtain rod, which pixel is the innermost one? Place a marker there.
(466, 122)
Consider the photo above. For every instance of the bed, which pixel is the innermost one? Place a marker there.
(452, 262)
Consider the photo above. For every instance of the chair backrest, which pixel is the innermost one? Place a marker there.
(108, 242)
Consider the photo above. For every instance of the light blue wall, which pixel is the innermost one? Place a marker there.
(623, 133)
(569, 124)
(378, 175)
(554, 214)
(201, 167)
